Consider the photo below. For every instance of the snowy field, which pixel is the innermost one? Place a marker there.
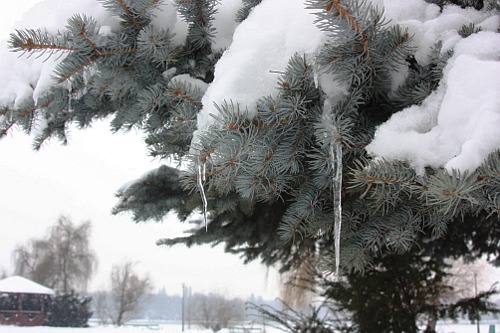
(177, 328)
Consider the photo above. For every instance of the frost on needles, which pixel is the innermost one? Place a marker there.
(284, 159)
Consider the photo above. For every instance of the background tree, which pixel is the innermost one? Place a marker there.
(101, 306)
(3, 273)
(215, 311)
(402, 291)
(465, 279)
(127, 293)
(393, 296)
(61, 260)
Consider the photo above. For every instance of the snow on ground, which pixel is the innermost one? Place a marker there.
(177, 328)
(163, 328)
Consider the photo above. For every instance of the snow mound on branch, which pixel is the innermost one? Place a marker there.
(274, 31)
(458, 125)
(225, 23)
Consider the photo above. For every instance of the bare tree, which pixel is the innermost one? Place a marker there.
(465, 277)
(102, 307)
(128, 292)
(215, 311)
(464, 280)
(62, 260)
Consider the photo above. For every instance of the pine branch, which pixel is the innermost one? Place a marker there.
(6, 126)
(200, 10)
(199, 14)
(66, 76)
(135, 14)
(345, 13)
(384, 173)
(452, 193)
(129, 14)
(179, 94)
(243, 12)
(36, 41)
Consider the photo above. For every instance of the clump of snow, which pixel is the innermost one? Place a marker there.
(457, 126)
(194, 82)
(427, 24)
(43, 16)
(167, 18)
(273, 32)
(225, 23)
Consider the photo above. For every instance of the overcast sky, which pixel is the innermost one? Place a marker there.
(79, 180)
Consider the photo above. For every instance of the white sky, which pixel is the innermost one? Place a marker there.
(79, 180)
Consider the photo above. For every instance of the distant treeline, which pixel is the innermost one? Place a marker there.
(161, 306)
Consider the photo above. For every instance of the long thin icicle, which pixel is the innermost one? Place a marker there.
(201, 178)
(336, 160)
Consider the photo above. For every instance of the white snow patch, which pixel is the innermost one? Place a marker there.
(167, 18)
(194, 82)
(274, 31)
(457, 126)
(225, 23)
(19, 284)
(427, 25)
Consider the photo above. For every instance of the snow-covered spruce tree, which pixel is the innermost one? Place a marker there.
(68, 310)
(280, 181)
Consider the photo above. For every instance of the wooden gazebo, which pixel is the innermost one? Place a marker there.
(22, 301)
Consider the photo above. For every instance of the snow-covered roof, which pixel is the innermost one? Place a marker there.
(18, 284)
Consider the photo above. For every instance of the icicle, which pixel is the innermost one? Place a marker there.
(336, 160)
(201, 178)
(315, 68)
